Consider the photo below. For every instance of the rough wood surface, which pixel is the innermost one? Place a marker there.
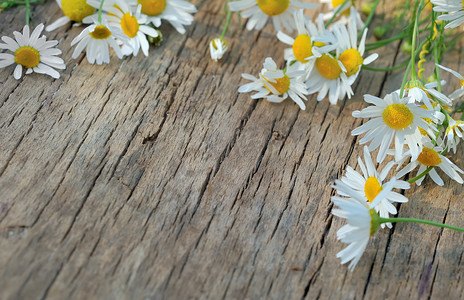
(152, 178)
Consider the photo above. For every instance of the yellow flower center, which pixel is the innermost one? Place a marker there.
(273, 7)
(461, 81)
(281, 85)
(129, 25)
(76, 10)
(27, 57)
(336, 3)
(152, 7)
(302, 48)
(328, 67)
(372, 188)
(100, 33)
(429, 157)
(397, 116)
(352, 60)
(319, 44)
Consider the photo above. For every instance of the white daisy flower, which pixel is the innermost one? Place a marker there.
(356, 233)
(275, 85)
(217, 48)
(453, 9)
(329, 77)
(454, 133)
(439, 116)
(348, 50)
(96, 39)
(369, 184)
(73, 10)
(363, 221)
(393, 118)
(280, 11)
(460, 92)
(132, 23)
(307, 46)
(176, 12)
(427, 94)
(431, 157)
(31, 52)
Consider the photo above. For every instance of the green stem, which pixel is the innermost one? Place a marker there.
(437, 55)
(229, 14)
(369, 18)
(405, 77)
(381, 43)
(337, 11)
(402, 65)
(396, 220)
(413, 46)
(100, 11)
(28, 12)
(420, 175)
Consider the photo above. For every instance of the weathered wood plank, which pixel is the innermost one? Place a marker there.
(153, 178)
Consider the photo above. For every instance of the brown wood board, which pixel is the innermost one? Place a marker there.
(152, 178)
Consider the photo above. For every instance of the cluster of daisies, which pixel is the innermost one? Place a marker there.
(126, 26)
(417, 123)
(411, 129)
(320, 60)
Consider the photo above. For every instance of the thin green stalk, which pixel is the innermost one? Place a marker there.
(414, 38)
(369, 18)
(381, 43)
(420, 175)
(405, 77)
(337, 11)
(229, 14)
(28, 11)
(434, 142)
(100, 11)
(402, 65)
(437, 56)
(411, 220)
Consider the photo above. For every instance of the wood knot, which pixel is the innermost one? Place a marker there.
(276, 135)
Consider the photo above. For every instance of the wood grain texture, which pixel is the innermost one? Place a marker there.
(152, 178)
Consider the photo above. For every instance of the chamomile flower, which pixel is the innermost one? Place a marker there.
(431, 157)
(369, 184)
(426, 94)
(217, 48)
(329, 77)
(460, 92)
(453, 9)
(259, 11)
(348, 51)
(356, 233)
(305, 49)
(74, 10)
(347, 11)
(275, 86)
(133, 24)
(393, 119)
(31, 52)
(454, 133)
(363, 222)
(176, 12)
(96, 38)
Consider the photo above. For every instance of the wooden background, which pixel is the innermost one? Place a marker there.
(152, 178)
